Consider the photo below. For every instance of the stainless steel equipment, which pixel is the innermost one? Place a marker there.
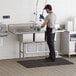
(21, 27)
(3, 30)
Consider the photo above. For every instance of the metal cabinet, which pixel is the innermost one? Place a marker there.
(68, 43)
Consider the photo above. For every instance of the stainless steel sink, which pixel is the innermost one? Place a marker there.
(24, 27)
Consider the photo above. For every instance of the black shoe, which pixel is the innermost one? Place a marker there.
(53, 59)
(49, 59)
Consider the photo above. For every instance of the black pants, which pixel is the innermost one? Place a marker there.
(49, 37)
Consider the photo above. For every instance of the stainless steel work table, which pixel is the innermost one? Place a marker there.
(22, 31)
(22, 42)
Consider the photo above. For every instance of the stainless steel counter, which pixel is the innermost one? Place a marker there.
(27, 34)
(24, 28)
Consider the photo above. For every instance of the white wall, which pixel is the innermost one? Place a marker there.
(63, 9)
(21, 11)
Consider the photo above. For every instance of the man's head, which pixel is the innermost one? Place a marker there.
(48, 8)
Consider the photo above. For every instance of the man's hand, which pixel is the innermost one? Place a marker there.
(38, 28)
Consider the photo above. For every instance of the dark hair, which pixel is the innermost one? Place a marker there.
(48, 6)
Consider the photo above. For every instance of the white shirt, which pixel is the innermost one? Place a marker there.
(51, 20)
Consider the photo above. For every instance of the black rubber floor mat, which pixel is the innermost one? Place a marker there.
(43, 63)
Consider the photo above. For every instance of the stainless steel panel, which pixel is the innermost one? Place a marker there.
(24, 27)
(39, 37)
(30, 48)
(41, 47)
(27, 37)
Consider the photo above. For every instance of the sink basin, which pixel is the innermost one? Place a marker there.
(24, 27)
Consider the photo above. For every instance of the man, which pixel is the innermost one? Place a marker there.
(50, 31)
